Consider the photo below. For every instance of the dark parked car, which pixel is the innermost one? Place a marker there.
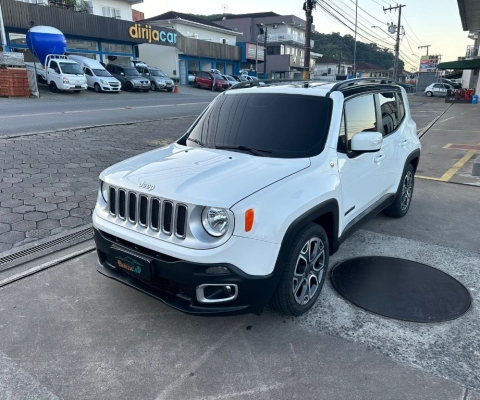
(129, 77)
(210, 81)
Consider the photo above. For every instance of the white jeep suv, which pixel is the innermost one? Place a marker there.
(246, 208)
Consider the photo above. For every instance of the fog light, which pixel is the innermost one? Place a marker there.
(218, 270)
(227, 289)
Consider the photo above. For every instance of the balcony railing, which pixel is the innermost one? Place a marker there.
(472, 52)
(283, 38)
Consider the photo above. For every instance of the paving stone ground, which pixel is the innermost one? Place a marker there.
(49, 182)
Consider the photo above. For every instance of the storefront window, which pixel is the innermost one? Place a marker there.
(17, 39)
(116, 48)
(79, 44)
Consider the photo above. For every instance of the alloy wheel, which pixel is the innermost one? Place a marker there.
(308, 270)
(407, 190)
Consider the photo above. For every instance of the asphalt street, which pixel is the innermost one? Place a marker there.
(56, 111)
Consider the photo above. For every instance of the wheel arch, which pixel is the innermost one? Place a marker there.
(414, 159)
(325, 214)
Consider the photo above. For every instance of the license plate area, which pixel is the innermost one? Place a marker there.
(132, 263)
(78, 86)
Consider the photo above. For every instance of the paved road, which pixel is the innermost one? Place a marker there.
(70, 110)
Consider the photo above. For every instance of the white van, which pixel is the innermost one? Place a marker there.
(98, 78)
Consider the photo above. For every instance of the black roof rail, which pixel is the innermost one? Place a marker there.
(358, 81)
(271, 82)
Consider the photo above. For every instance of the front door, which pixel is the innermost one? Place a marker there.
(361, 174)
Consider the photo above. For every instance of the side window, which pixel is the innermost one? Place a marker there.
(389, 110)
(360, 116)
(88, 72)
(342, 137)
(401, 107)
(54, 65)
(437, 86)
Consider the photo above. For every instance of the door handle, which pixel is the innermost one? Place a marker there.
(379, 158)
(404, 143)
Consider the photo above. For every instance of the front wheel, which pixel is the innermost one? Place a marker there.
(53, 87)
(153, 87)
(129, 87)
(429, 94)
(304, 271)
(97, 88)
(403, 198)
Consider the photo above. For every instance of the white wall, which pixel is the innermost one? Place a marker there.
(205, 33)
(163, 57)
(124, 6)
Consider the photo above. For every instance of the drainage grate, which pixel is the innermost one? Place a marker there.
(87, 233)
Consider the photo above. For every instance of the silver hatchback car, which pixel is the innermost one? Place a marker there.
(437, 89)
(158, 79)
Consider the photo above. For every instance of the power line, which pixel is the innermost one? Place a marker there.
(366, 12)
(419, 41)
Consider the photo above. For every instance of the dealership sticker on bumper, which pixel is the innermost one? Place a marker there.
(132, 264)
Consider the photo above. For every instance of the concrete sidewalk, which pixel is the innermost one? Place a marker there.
(70, 333)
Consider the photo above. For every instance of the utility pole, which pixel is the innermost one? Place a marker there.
(355, 46)
(265, 53)
(3, 35)
(308, 7)
(397, 44)
(426, 46)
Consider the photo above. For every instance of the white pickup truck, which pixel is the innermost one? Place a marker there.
(61, 73)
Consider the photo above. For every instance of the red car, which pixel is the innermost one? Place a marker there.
(210, 81)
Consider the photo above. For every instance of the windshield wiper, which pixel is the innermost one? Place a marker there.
(196, 141)
(257, 152)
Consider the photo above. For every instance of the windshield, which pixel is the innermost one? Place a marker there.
(131, 72)
(157, 72)
(229, 78)
(71, 68)
(288, 125)
(101, 72)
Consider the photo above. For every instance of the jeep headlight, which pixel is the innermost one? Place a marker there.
(104, 190)
(215, 221)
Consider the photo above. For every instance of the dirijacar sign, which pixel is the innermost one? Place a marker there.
(150, 35)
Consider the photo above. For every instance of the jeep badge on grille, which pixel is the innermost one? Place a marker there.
(146, 186)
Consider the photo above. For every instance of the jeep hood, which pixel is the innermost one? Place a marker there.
(200, 176)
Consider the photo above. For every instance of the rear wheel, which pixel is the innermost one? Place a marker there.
(304, 271)
(97, 88)
(53, 87)
(429, 94)
(403, 198)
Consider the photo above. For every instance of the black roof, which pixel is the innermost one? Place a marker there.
(188, 17)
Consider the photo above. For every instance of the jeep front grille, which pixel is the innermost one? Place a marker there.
(149, 212)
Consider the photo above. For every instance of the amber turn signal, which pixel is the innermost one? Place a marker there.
(249, 217)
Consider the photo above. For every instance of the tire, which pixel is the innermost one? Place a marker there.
(403, 198)
(129, 87)
(153, 87)
(170, 90)
(97, 88)
(429, 94)
(53, 87)
(305, 263)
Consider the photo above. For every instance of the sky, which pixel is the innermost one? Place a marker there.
(426, 22)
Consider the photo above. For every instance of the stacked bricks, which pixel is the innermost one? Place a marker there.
(13, 82)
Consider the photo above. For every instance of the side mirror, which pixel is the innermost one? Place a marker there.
(367, 142)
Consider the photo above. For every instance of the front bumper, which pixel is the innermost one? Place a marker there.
(69, 87)
(175, 281)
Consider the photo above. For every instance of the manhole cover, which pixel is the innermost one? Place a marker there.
(401, 289)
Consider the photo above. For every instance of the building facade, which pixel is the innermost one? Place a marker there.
(104, 38)
(202, 45)
(328, 68)
(283, 36)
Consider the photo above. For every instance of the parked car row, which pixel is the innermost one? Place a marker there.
(216, 81)
(76, 73)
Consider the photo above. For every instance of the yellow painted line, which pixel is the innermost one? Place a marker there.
(458, 165)
(428, 178)
(447, 146)
(448, 119)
